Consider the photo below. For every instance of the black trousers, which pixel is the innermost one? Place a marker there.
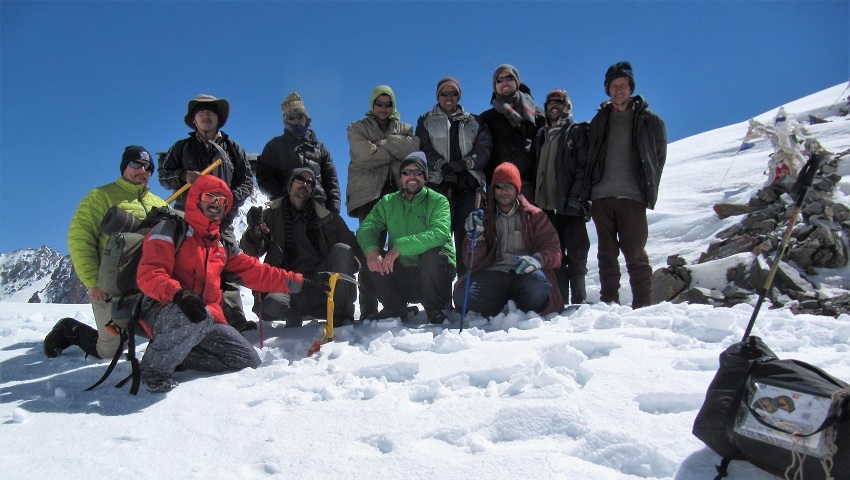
(429, 283)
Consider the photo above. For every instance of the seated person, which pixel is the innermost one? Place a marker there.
(515, 254)
(301, 235)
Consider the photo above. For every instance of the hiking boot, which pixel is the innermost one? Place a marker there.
(242, 324)
(67, 332)
(436, 317)
(160, 385)
(389, 313)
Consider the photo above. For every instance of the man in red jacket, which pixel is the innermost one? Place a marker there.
(516, 252)
(182, 291)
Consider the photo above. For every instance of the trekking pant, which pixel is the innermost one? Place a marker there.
(572, 233)
(206, 345)
(490, 290)
(107, 342)
(621, 226)
(368, 298)
(429, 283)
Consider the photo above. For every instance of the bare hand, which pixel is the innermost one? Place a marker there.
(96, 293)
(376, 262)
(389, 259)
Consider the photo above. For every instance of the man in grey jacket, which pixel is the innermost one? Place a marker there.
(457, 145)
(628, 148)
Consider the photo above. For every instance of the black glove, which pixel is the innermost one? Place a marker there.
(453, 168)
(191, 304)
(318, 284)
(255, 216)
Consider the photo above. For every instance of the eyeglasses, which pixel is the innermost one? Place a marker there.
(504, 186)
(140, 164)
(448, 94)
(214, 198)
(295, 117)
(381, 104)
(557, 100)
(304, 181)
(505, 78)
(417, 172)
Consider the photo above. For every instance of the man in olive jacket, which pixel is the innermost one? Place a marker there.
(627, 151)
(420, 263)
(378, 142)
(86, 243)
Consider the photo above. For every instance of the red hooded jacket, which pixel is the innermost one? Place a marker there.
(202, 258)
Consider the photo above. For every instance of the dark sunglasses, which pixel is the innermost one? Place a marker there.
(415, 172)
(214, 198)
(558, 101)
(304, 181)
(295, 117)
(448, 94)
(505, 78)
(139, 164)
(379, 103)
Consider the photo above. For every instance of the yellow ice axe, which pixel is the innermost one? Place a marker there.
(328, 331)
(182, 189)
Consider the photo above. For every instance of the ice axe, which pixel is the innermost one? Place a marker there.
(221, 156)
(817, 154)
(328, 330)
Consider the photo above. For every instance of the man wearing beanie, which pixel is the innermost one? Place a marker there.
(457, 146)
(86, 243)
(299, 234)
(378, 143)
(507, 266)
(513, 122)
(627, 150)
(205, 115)
(561, 148)
(298, 147)
(420, 263)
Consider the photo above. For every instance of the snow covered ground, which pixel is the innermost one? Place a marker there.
(603, 392)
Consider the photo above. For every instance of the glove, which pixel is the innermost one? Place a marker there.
(191, 304)
(255, 216)
(318, 284)
(453, 168)
(526, 264)
(575, 208)
(474, 223)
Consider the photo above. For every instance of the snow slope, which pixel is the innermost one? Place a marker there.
(601, 393)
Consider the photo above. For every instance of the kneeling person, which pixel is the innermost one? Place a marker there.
(515, 253)
(182, 304)
(301, 235)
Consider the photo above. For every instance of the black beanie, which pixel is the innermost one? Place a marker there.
(135, 152)
(619, 69)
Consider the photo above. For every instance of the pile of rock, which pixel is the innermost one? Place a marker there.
(819, 240)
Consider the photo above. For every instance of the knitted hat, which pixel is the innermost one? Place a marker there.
(562, 94)
(450, 81)
(292, 105)
(505, 67)
(299, 171)
(207, 102)
(619, 69)
(135, 152)
(507, 172)
(415, 158)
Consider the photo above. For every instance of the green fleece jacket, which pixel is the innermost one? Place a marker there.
(85, 241)
(414, 227)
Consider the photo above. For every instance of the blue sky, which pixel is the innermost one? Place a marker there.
(80, 80)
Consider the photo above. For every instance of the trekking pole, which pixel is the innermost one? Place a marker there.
(182, 189)
(804, 182)
(260, 315)
(468, 277)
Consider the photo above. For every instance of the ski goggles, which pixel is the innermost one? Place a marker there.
(140, 164)
(214, 198)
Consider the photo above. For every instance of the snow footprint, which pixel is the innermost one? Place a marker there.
(667, 402)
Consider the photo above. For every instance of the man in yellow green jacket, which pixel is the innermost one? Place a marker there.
(86, 243)
(420, 263)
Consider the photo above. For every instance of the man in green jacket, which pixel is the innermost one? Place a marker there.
(420, 263)
(86, 243)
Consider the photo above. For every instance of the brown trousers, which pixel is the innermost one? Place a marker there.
(621, 227)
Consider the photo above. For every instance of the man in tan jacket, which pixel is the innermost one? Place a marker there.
(379, 142)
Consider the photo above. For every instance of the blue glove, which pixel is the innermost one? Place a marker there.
(526, 264)
(474, 223)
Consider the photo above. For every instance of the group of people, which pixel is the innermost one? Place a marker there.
(502, 198)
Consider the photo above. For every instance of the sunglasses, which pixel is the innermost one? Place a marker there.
(448, 94)
(139, 164)
(415, 172)
(304, 181)
(505, 78)
(557, 100)
(295, 117)
(379, 103)
(214, 198)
